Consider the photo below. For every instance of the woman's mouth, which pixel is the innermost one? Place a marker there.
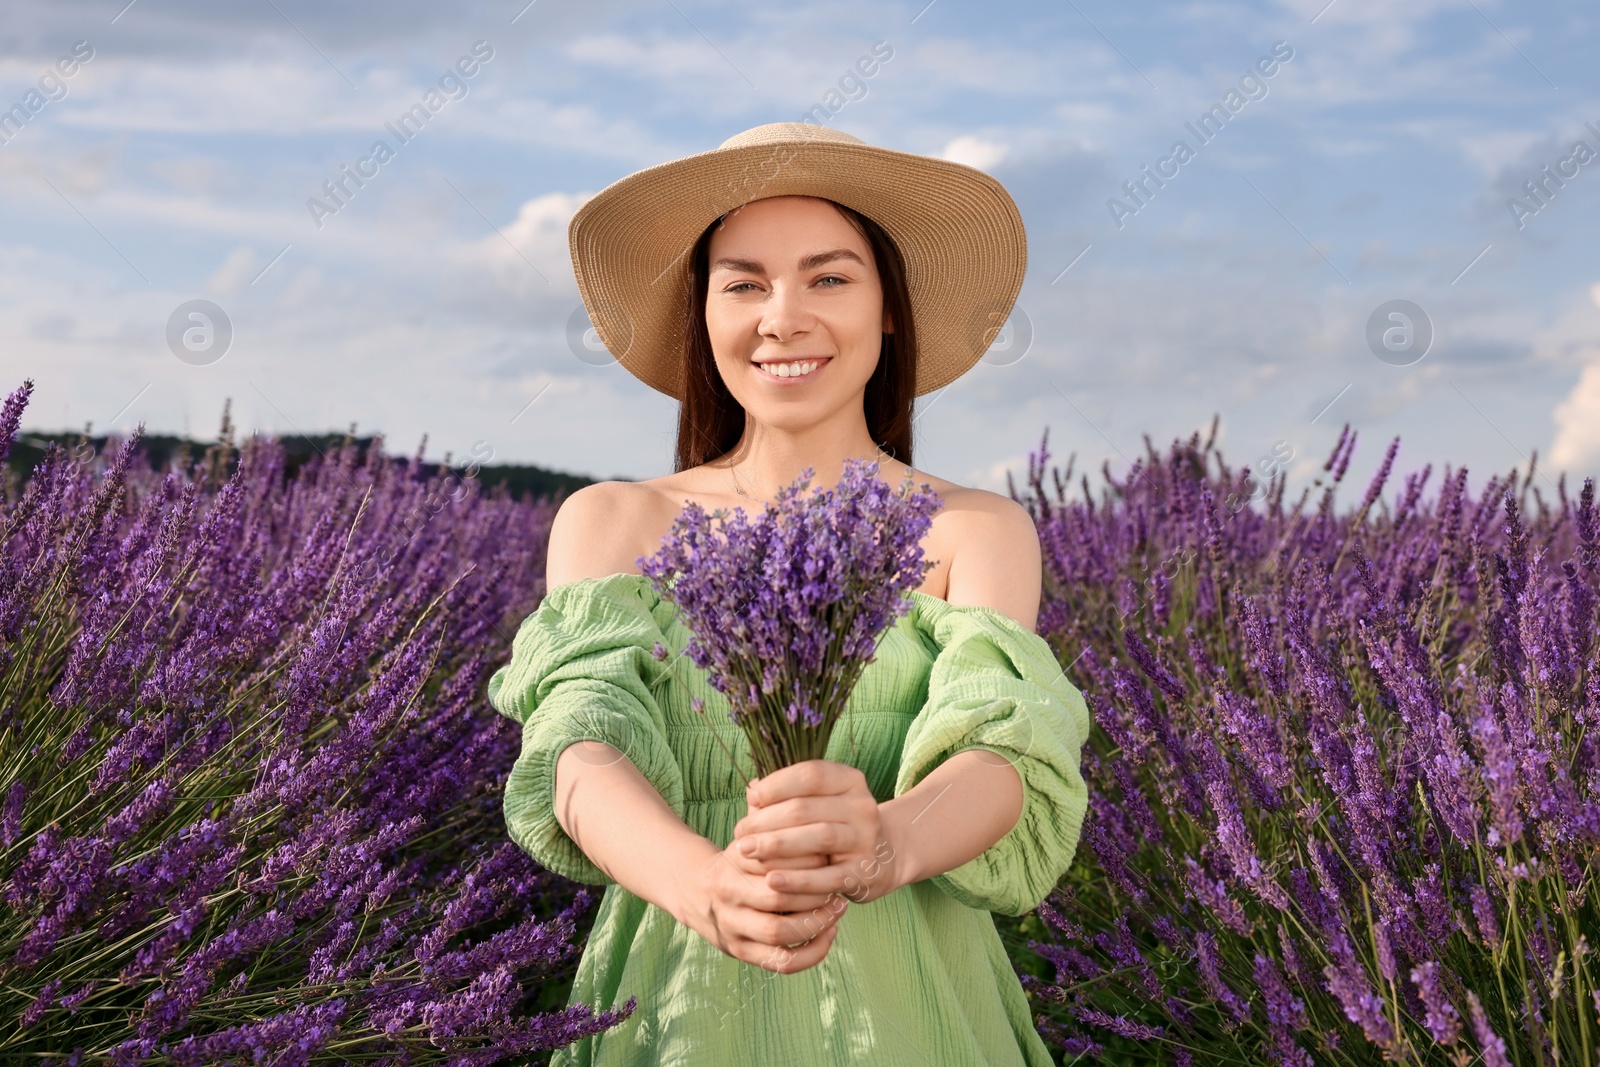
(799, 370)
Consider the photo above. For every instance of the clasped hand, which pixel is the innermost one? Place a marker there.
(822, 811)
(813, 842)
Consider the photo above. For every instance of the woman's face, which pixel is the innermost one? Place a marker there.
(791, 280)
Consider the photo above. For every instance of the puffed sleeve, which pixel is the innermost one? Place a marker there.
(997, 686)
(581, 669)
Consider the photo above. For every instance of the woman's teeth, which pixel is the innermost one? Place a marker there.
(790, 370)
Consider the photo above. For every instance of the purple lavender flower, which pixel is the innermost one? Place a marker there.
(41, 1004)
(1347, 981)
(1492, 1045)
(1214, 895)
(787, 609)
(250, 786)
(11, 417)
(1483, 911)
(1121, 1025)
(1351, 723)
(1442, 1020)
(1286, 1013)
(1211, 978)
(11, 816)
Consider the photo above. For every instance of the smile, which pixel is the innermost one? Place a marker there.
(797, 371)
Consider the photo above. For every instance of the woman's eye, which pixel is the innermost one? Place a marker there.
(740, 286)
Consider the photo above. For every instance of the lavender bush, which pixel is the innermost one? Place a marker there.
(786, 611)
(249, 788)
(1345, 771)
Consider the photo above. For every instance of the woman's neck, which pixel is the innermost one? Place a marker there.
(763, 465)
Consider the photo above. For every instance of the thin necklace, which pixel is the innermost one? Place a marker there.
(740, 489)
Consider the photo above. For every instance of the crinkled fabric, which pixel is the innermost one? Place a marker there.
(917, 977)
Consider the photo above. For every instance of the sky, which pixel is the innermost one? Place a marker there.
(1396, 228)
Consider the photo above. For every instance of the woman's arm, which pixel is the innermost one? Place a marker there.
(974, 798)
(958, 811)
(625, 827)
(631, 833)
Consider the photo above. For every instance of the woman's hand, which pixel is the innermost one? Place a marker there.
(821, 808)
(729, 904)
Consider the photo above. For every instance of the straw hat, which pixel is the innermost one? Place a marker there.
(958, 231)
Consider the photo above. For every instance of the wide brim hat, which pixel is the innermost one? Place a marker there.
(958, 231)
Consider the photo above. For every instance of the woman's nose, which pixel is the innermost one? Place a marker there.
(784, 313)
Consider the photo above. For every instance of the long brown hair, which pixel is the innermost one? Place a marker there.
(710, 420)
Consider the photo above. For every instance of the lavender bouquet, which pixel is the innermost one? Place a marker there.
(786, 610)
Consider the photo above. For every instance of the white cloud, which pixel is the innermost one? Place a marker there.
(974, 152)
(1577, 419)
(235, 270)
(537, 237)
(663, 57)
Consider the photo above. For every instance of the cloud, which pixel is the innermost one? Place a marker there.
(670, 59)
(974, 152)
(1577, 419)
(235, 270)
(536, 238)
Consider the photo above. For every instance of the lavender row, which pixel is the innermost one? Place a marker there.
(249, 786)
(1345, 766)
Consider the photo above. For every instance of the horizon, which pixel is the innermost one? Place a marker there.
(1393, 486)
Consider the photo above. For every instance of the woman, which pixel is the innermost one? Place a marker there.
(837, 911)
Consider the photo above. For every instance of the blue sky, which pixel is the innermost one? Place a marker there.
(1374, 164)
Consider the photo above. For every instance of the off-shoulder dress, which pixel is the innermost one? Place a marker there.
(918, 977)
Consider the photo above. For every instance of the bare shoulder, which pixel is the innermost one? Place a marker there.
(969, 501)
(985, 520)
(997, 561)
(595, 532)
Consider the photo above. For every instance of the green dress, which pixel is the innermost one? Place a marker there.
(918, 977)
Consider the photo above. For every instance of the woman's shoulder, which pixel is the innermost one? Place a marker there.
(604, 528)
(970, 501)
(994, 552)
(596, 532)
(978, 520)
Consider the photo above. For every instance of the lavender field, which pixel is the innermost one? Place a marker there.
(1344, 775)
(251, 783)
(1345, 772)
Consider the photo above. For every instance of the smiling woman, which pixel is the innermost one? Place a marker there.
(838, 910)
(797, 291)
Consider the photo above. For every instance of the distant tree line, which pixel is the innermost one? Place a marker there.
(160, 449)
